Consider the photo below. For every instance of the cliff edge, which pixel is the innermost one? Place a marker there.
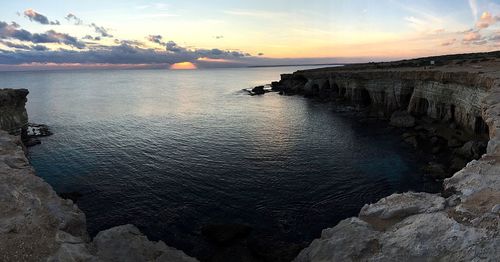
(460, 224)
(37, 225)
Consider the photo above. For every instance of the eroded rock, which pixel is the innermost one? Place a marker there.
(127, 243)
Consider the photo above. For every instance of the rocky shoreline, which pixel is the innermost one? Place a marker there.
(38, 225)
(463, 222)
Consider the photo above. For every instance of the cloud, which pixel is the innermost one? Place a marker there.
(174, 47)
(101, 30)
(27, 49)
(130, 42)
(76, 20)
(125, 53)
(219, 36)
(89, 37)
(23, 46)
(122, 54)
(15, 45)
(170, 46)
(486, 20)
(472, 36)
(450, 42)
(52, 36)
(495, 37)
(13, 31)
(475, 38)
(40, 48)
(32, 15)
(474, 9)
(156, 39)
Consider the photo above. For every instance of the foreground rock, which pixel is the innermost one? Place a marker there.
(127, 243)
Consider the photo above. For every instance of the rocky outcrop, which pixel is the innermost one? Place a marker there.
(37, 225)
(461, 225)
(13, 115)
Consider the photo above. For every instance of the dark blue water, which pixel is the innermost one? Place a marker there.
(170, 151)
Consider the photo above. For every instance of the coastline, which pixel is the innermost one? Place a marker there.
(462, 224)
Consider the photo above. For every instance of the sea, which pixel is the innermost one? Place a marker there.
(173, 151)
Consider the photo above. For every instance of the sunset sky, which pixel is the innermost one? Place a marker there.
(46, 34)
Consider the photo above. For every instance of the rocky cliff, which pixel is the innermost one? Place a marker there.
(462, 223)
(37, 225)
(13, 115)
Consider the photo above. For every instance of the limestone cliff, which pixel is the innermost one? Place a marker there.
(13, 115)
(37, 225)
(447, 96)
(463, 224)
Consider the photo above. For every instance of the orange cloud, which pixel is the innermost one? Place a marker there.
(486, 20)
(472, 36)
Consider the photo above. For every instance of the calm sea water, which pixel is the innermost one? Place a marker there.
(171, 151)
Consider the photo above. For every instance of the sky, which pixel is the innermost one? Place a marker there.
(186, 34)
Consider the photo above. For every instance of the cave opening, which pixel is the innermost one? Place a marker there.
(441, 111)
(405, 100)
(315, 90)
(480, 127)
(343, 90)
(325, 90)
(366, 100)
(336, 88)
(452, 113)
(405, 94)
(361, 97)
(422, 107)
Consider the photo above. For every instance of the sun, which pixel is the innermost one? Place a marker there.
(183, 66)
